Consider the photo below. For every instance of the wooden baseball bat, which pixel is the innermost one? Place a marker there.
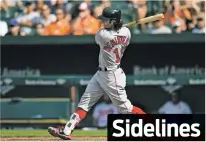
(146, 20)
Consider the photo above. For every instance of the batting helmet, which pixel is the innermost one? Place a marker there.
(110, 14)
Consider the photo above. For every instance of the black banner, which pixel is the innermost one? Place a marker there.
(35, 92)
(83, 59)
(156, 127)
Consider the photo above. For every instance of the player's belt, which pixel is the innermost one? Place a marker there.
(106, 69)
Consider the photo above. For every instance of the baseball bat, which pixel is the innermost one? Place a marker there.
(146, 20)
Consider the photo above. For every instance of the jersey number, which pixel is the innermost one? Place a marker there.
(116, 52)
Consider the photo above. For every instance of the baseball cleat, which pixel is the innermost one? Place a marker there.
(58, 132)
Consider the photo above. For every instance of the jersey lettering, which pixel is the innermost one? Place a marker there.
(112, 46)
(118, 40)
(123, 40)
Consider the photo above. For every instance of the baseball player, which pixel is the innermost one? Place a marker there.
(110, 79)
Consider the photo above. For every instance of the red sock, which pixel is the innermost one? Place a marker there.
(82, 113)
(137, 110)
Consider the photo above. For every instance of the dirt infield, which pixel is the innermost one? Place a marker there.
(82, 138)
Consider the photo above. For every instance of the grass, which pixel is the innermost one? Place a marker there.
(44, 133)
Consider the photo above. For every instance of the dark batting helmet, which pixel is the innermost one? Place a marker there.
(111, 14)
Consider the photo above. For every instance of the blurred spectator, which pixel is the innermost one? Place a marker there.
(57, 4)
(160, 28)
(101, 111)
(10, 3)
(40, 29)
(98, 10)
(39, 5)
(6, 11)
(27, 19)
(190, 25)
(19, 8)
(175, 106)
(141, 8)
(14, 29)
(4, 28)
(197, 5)
(23, 17)
(60, 27)
(46, 17)
(176, 27)
(67, 5)
(141, 11)
(155, 6)
(89, 5)
(200, 27)
(70, 7)
(85, 23)
(176, 12)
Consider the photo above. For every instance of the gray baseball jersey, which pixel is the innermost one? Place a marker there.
(112, 46)
(113, 81)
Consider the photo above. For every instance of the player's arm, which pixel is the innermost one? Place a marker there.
(98, 37)
(101, 37)
(129, 36)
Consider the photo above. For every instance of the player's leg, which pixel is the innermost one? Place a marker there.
(114, 86)
(91, 95)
